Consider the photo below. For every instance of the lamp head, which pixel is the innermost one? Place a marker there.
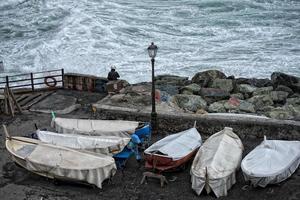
(152, 50)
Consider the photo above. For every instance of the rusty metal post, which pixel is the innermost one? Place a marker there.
(32, 84)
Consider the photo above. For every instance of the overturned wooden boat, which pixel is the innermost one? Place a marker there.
(173, 150)
(119, 128)
(108, 145)
(58, 162)
(215, 163)
(271, 162)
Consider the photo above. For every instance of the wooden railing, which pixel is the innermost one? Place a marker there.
(52, 79)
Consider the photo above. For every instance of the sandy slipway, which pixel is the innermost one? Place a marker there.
(19, 184)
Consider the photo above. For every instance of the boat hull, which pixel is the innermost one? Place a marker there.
(60, 163)
(163, 163)
(216, 162)
(271, 162)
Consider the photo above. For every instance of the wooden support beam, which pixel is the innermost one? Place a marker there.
(14, 100)
(10, 105)
(6, 132)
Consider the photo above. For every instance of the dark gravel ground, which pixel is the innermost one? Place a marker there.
(17, 183)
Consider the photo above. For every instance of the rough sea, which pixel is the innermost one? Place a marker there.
(244, 38)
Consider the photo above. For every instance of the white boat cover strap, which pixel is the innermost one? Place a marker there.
(177, 146)
(66, 163)
(118, 128)
(100, 144)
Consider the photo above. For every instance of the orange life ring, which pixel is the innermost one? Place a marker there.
(51, 83)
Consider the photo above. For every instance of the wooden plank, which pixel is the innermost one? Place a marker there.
(38, 99)
(14, 100)
(10, 105)
(30, 98)
(6, 132)
(22, 97)
(5, 102)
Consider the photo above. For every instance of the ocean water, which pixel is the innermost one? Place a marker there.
(245, 38)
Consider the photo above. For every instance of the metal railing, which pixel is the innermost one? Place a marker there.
(52, 79)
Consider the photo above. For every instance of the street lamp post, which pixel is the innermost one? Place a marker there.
(152, 50)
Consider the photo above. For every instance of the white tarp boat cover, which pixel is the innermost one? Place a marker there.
(271, 162)
(61, 162)
(177, 146)
(118, 128)
(215, 163)
(107, 145)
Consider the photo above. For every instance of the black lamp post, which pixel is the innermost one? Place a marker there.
(152, 50)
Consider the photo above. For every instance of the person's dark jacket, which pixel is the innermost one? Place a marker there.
(113, 75)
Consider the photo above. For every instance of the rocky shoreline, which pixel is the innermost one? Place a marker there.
(213, 92)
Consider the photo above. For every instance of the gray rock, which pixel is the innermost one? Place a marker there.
(280, 113)
(171, 80)
(170, 89)
(232, 104)
(260, 101)
(266, 108)
(293, 101)
(206, 78)
(290, 81)
(246, 89)
(189, 102)
(285, 89)
(217, 107)
(279, 96)
(246, 107)
(224, 84)
(238, 96)
(213, 94)
(190, 89)
(254, 82)
(238, 105)
(295, 110)
(118, 98)
(263, 91)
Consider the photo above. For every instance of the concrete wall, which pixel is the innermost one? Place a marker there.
(207, 125)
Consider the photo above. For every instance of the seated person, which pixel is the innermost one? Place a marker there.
(113, 74)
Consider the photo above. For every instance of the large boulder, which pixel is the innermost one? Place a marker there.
(285, 89)
(260, 101)
(238, 96)
(171, 80)
(217, 107)
(224, 84)
(190, 89)
(189, 102)
(116, 86)
(238, 105)
(169, 89)
(281, 113)
(246, 88)
(263, 91)
(293, 101)
(213, 94)
(232, 104)
(290, 81)
(206, 78)
(254, 82)
(279, 96)
(143, 88)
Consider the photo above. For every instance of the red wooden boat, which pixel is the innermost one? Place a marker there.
(173, 151)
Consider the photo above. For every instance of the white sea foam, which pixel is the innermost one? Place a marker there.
(249, 38)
